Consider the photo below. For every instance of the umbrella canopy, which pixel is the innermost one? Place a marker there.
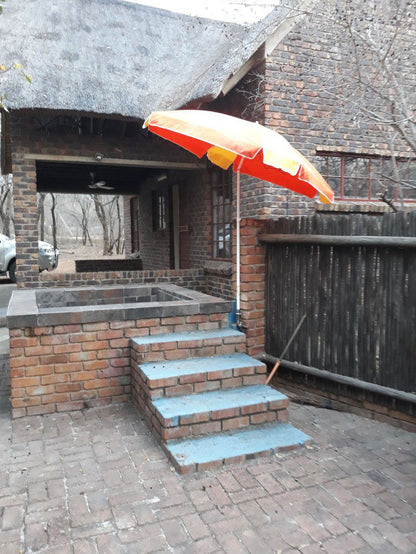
(253, 149)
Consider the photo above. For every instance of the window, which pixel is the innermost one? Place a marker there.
(221, 215)
(159, 209)
(365, 178)
(134, 215)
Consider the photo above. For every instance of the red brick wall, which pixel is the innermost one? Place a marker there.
(189, 278)
(252, 281)
(25, 218)
(31, 134)
(71, 367)
(305, 102)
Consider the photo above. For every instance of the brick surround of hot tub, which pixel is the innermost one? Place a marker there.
(74, 357)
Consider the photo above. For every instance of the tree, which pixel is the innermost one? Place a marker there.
(108, 212)
(41, 214)
(349, 70)
(6, 204)
(83, 219)
(41, 201)
(380, 85)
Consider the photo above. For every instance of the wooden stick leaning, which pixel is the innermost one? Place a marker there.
(286, 348)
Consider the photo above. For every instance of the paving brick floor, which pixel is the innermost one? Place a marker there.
(97, 482)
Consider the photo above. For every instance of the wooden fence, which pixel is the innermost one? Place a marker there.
(354, 276)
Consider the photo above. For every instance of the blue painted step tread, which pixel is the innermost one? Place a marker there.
(216, 400)
(236, 443)
(190, 366)
(189, 335)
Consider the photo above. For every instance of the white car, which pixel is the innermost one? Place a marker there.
(48, 256)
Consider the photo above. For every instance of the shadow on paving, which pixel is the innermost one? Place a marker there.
(97, 481)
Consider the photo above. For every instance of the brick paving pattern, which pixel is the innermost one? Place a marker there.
(95, 481)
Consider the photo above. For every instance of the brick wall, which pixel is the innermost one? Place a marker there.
(306, 76)
(189, 278)
(25, 218)
(127, 224)
(32, 133)
(218, 279)
(252, 280)
(154, 244)
(71, 367)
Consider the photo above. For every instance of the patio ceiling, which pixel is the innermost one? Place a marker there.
(82, 178)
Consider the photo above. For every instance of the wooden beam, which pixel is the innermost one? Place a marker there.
(114, 161)
(340, 240)
(343, 379)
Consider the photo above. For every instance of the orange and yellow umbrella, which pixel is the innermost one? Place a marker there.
(251, 148)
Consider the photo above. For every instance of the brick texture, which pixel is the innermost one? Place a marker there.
(71, 367)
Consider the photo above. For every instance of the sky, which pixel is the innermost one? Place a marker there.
(238, 11)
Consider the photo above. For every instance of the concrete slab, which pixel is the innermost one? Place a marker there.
(187, 336)
(190, 366)
(224, 446)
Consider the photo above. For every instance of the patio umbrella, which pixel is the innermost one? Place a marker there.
(251, 148)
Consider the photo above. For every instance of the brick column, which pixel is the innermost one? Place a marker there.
(253, 273)
(25, 221)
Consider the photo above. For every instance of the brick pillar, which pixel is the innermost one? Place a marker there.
(253, 273)
(127, 224)
(25, 221)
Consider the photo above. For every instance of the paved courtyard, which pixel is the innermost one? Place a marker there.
(97, 482)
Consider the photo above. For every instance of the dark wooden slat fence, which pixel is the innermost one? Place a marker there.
(359, 295)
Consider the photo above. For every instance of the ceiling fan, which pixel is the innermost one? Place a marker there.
(101, 185)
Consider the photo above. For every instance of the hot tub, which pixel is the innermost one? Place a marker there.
(38, 307)
(70, 347)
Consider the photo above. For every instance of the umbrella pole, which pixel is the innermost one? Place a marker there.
(238, 313)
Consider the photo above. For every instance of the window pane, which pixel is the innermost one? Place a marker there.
(356, 171)
(365, 178)
(330, 169)
(221, 215)
(407, 174)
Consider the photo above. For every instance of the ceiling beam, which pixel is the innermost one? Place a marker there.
(115, 161)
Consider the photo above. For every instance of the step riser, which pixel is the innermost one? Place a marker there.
(144, 396)
(169, 351)
(208, 466)
(209, 427)
(211, 424)
(198, 382)
(161, 372)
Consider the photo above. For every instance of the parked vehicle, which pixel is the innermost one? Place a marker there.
(48, 256)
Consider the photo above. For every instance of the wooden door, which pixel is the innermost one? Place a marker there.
(181, 227)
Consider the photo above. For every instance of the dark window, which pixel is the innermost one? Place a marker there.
(159, 210)
(134, 214)
(221, 215)
(365, 178)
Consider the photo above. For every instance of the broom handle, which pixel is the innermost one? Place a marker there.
(276, 365)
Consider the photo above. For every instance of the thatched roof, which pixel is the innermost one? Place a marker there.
(117, 57)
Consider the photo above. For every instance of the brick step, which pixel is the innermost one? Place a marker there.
(195, 375)
(201, 453)
(218, 411)
(168, 346)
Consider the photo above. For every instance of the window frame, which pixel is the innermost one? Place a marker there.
(159, 210)
(221, 214)
(370, 177)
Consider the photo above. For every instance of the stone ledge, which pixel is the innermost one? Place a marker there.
(218, 268)
(354, 207)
